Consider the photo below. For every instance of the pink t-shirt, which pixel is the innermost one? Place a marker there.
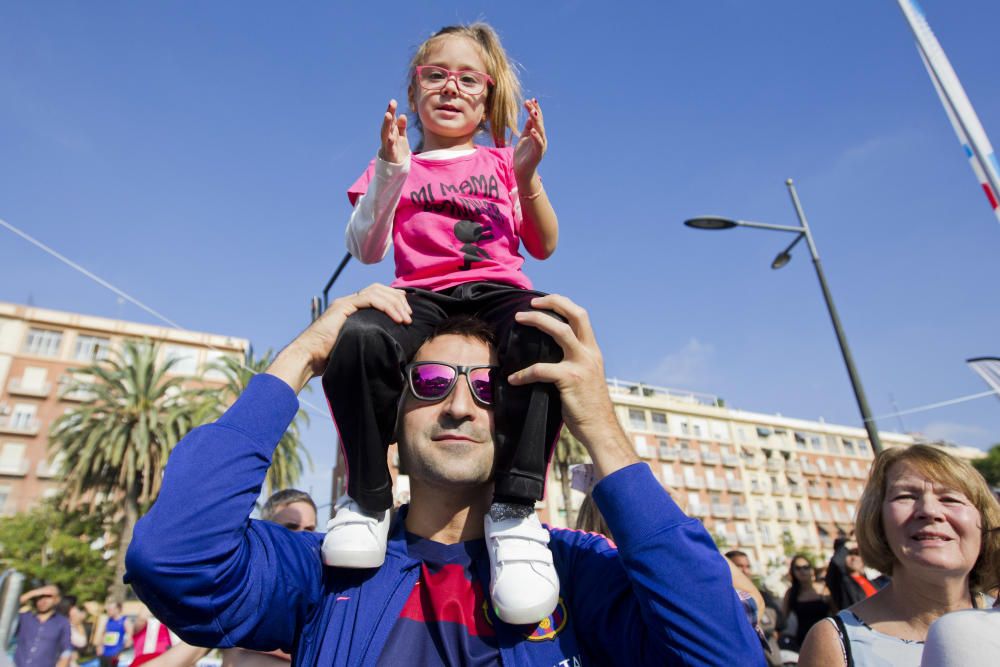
(456, 221)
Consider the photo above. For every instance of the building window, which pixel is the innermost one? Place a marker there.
(186, 359)
(637, 419)
(660, 422)
(23, 416)
(11, 457)
(4, 495)
(668, 474)
(91, 348)
(43, 343)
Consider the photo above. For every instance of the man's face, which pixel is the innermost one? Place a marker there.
(47, 600)
(742, 563)
(449, 442)
(297, 516)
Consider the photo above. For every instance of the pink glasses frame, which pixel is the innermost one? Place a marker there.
(452, 74)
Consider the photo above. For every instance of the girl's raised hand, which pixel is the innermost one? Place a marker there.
(395, 145)
(531, 145)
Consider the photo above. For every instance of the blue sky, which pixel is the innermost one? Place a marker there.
(197, 155)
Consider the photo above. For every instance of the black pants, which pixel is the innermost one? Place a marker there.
(364, 383)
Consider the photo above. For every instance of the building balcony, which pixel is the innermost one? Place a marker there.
(785, 515)
(745, 539)
(779, 489)
(752, 462)
(758, 488)
(797, 490)
(730, 460)
(693, 482)
(78, 395)
(803, 516)
(14, 468)
(730, 538)
(669, 453)
(835, 493)
(46, 470)
(741, 511)
(735, 484)
(20, 426)
(18, 386)
(840, 470)
(721, 511)
(810, 469)
(711, 458)
(793, 467)
(774, 465)
(700, 511)
(687, 456)
(819, 516)
(716, 485)
(767, 541)
(765, 513)
(817, 492)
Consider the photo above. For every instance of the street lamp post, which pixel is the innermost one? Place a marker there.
(318, 306)
(802, 232)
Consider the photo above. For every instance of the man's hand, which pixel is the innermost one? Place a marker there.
(395, 145)
(586, 404)
(306, 356)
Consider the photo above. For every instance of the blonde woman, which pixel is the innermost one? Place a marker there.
(926, 519)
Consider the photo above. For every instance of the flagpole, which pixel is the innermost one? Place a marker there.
(956, 103)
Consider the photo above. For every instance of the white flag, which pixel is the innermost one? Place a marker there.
(964, 120)
(989, 369)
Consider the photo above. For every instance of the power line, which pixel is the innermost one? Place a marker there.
(931, 406)
(128, 297)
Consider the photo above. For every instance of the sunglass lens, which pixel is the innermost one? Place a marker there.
(431, 381)
(482, 385)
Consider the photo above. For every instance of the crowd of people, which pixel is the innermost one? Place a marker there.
(473, 374)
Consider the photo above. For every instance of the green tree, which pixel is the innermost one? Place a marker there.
(568, 451)
(989, 467)
(114, 447)
(287, 463)
(60, 547)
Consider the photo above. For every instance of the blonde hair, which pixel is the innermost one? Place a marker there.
(503, 100)
(590, 518)
(942, 468)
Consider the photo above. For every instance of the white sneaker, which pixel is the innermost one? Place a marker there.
(524, 585)
(355, 538)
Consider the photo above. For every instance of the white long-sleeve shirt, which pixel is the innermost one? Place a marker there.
(369, 230)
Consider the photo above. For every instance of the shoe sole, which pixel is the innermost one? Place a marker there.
(526, 615)
(357, 560)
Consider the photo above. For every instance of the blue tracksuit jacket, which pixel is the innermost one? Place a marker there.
(217, 578)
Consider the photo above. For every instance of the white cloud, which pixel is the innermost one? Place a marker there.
(961, 434)
(687, 368)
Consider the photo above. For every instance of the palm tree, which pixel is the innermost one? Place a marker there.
(568, 451)
(286, 462)
(115, 446)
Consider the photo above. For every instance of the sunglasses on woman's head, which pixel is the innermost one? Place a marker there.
(434, 380)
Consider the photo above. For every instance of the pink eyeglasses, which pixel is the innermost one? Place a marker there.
(469, 82)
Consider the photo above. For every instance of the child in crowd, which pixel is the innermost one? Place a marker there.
(456, 212)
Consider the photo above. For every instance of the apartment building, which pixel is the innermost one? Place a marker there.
(37, 349)
(757, 481)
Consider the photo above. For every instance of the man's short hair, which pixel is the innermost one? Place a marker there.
(468, 326)
(283, 498)
(735, 553)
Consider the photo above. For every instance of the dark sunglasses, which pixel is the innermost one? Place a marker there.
(434, 380)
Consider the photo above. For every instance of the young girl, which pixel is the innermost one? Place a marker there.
(456, 212)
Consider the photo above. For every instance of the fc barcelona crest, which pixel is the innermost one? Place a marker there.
(550, 626)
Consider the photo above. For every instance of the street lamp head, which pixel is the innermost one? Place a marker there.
(783, 258)
(711, 222)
